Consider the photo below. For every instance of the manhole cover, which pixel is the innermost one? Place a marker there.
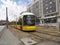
(28, 41)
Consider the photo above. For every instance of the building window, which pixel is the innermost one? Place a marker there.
(50, 20)
(49, 6)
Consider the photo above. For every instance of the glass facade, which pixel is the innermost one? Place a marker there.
(29, 10)
(49, 6)
(35, 8)
(50, 20)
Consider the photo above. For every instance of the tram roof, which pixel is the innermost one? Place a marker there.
(27, 13)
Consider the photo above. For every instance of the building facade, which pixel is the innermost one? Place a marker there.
(48, 11)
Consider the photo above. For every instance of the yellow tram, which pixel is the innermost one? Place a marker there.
(26, 22)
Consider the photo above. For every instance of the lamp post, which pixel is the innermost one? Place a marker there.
(6, 17)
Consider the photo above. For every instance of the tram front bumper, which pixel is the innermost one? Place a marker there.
(29, 28)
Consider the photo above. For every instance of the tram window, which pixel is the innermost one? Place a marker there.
(20, 21)
(29, 20)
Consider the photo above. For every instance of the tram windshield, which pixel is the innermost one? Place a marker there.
(29, 20)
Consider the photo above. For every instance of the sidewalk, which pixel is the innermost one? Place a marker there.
(1, 30)
(8, 38)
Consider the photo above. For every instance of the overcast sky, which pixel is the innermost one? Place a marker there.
(14, 8)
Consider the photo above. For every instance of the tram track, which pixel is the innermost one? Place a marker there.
(46, 36)
(36, 38)
(39, 36)
(49, 30)
(52, 34)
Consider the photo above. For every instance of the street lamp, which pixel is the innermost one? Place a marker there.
(6, 17)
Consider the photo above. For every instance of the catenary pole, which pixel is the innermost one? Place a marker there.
(6, 17)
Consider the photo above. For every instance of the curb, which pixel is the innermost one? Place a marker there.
(1, 32)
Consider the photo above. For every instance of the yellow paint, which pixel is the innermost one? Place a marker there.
(29, 28)
(18, 26)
